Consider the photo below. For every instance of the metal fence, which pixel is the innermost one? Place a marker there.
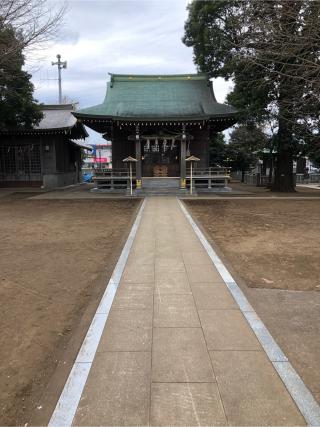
(263, 181)
(308, 179)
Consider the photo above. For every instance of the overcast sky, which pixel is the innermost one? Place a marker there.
(116, 36)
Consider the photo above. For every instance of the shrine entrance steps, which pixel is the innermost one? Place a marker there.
(161, 186)
(160, 182)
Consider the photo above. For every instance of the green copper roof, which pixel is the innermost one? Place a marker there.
(163, 97)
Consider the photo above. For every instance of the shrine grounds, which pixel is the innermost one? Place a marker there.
(58, 254)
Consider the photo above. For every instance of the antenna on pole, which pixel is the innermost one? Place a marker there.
(61, 64)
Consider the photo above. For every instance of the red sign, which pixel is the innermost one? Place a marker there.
(101, 160)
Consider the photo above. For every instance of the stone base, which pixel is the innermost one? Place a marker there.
(214, 190)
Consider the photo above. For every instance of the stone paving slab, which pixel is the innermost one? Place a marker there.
(204, 273)
(189, 404)
(130, 300)
(251, 391)
(147, 288)
(175, 311)
(180, 355)
(227, 330)
(138, 274)
(117, 391)
(176, 348)
(213, 297)
(166, 278)
(127, 330)
(196, 258)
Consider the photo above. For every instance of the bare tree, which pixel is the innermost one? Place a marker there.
(283, 40)
(25, 27)
(34, 23)
(34, 20)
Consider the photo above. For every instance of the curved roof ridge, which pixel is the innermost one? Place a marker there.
(129, 77)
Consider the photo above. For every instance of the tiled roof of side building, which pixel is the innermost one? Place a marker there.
(160, 97)
(57, 118)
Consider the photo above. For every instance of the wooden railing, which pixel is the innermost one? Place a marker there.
(113, 179)
(116, 179)
(107, 173)
(210, 172)
(208, 178)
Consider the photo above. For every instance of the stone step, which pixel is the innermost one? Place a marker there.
(161, 192)
(160, 183)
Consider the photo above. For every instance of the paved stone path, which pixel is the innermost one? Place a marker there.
(176, 350)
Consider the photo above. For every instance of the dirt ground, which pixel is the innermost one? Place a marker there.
(56, 258)
(249, 190)
(272, 248)
(271, 243)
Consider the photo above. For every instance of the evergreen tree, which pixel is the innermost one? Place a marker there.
(244, 144)
(217, 150)
(17, 107)
(272, 51)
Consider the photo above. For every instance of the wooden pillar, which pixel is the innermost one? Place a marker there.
(183, 151)
(138, 157)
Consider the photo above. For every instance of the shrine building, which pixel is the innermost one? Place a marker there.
(47, 155)
(160, 121)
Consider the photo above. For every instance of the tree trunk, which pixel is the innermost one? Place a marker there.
(283, 170)
(243, 172)
(270, 171)
(283, 174)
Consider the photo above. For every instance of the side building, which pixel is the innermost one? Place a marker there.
(46, 156)
(160, 120)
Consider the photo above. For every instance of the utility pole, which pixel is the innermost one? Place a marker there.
(61, 64)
